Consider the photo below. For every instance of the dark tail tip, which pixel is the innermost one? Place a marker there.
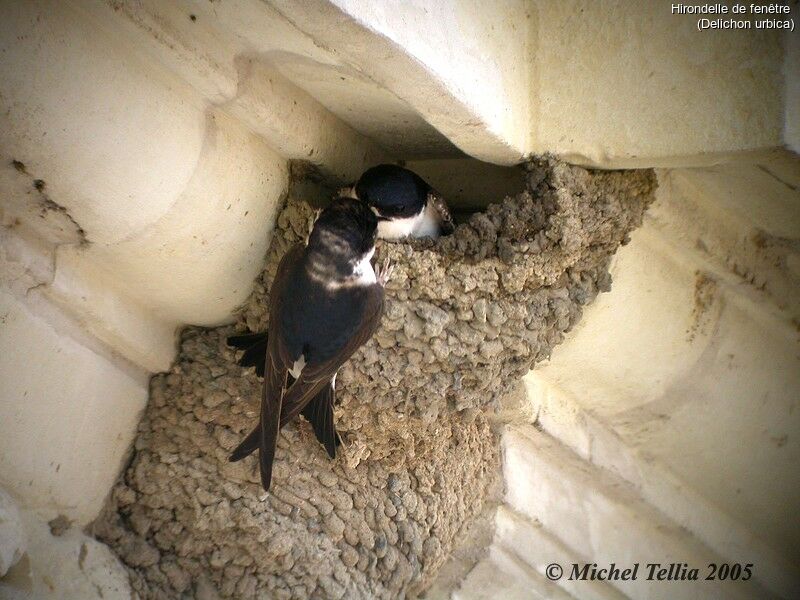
(237, 455)
(247, 447)
(245, 340)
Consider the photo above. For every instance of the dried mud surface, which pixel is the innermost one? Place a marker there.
(466, 317)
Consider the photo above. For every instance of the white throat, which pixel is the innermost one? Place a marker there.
(424, 224)
(362, 275)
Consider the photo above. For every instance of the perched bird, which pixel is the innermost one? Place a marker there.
(325, 302)
(405, 204)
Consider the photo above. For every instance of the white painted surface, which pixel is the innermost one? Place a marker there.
(247, 59)
(67, 416)
(610, 84)
(13, 540)
(597, 515)
(454, 63)
(629, 84)
(192, 264)
(103, 129)
(534, 545)
(70, 566)
(177, 199)
(472, 49)
(684, 379)
(503, 575)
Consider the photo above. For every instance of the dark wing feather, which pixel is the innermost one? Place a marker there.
(255, 356)
(316, 375)
(315, 412)
(255, 349)
(271, 403)
(247, 446)
(319, 412)
(245, 340)
(277, 366)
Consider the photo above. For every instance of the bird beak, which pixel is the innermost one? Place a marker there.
(378, 215)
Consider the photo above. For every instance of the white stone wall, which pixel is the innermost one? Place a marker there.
(612, 84)
(683, 380)
(67, 422)
(628, 84)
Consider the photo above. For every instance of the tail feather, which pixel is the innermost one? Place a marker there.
(255, 350)
(253, 440)
(319, 412)
(245, 340)
(255, 356)
(247, 446)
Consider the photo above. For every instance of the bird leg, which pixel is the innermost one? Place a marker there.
(383, 273)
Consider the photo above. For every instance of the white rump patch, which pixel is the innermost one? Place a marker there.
(297, 367)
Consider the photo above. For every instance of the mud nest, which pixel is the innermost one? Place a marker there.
(466, 317)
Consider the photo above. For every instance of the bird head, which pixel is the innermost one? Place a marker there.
(345, 232)
(400, 200)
